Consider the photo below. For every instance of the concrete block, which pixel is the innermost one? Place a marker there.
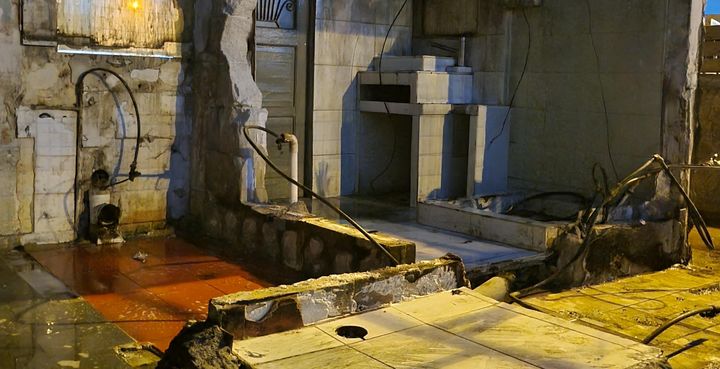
(9, 222)
(271, 240)
(336, 92)
(488, 162)
(141, 206)
(326, 173)
(347, 43)
(292, 252)
(515, 231)
(55, 174)
(25, 185)
(343, 263)
(249, 235)
(314, 250)
(399, 41)
(426, 63)
(172, 73)
(332, 296)
(442, 88)
(145, 75)
(54, 213)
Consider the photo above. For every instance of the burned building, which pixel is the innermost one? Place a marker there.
(358, 183)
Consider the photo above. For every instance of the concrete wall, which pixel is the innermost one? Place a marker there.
(706, 183)
(599, 74)
(36, 191)
(593, 88)
(226, 170)
(348, 35)
(487, 41)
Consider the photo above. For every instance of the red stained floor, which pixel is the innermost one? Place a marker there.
(150, 301)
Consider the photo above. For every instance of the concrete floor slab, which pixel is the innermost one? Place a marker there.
(392, 216)
(479, 334)
(150, 300)
(636, 306)
(59, 330)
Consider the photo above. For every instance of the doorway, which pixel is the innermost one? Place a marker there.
(281, 30)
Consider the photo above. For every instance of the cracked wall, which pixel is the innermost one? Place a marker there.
(227, 173)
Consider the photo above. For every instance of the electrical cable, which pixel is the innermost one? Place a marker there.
(586, 225)
(602, 93)
(387, 35)
(707, 312)
(246, 132)
(387, 108)
(517, 87)
(79, 92)
(584, 200)
(389, 164)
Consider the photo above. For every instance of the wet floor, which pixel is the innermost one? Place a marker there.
(636, 306)
(45, 325)
(151, 300)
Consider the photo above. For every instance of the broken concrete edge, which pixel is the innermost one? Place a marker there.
(200, 345)
(283, 308)
(304, 243)
(532, 268)
(139, 355)
(620, 250)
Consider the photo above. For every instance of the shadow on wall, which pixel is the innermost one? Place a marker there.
(178, 195)
(349, 35)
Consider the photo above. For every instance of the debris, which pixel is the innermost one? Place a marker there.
(140, 256)
(69, 363)
(202, 345)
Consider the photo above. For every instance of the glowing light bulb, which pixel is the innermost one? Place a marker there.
(135, 5)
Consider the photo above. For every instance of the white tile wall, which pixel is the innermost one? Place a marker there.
(349, 34)
(54, 132)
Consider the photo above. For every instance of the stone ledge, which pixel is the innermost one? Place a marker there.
(282, 308)
(302, 242)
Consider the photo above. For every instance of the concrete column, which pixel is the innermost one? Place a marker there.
(488, 163)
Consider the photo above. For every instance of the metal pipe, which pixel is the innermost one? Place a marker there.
(246, 132)
(461, 52)
(290, 139)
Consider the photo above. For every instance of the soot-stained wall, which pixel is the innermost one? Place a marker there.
(604, 78)
(45, 141)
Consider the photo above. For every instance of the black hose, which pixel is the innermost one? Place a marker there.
(542, 195)
(246, 132)
(387, 108)
(133, 166)
(387, 35)
(586, 226)
(708, 312)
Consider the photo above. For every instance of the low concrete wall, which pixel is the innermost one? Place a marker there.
(620, 250)
(305, 243)
(283, 308)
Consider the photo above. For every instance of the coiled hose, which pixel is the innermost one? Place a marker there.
(246, 132)
(78, 90)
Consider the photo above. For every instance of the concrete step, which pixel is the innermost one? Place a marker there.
(511, 230)
(417, 63)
